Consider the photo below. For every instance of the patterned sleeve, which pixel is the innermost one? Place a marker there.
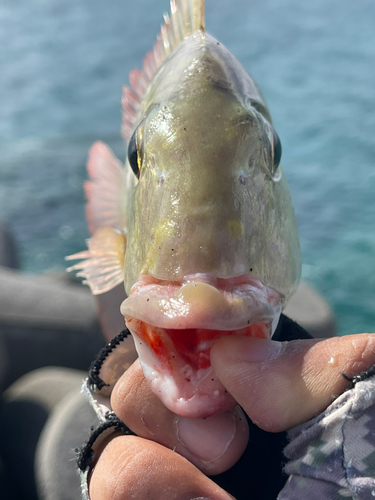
(333, 455)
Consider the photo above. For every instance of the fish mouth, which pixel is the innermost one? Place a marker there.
(174, 325)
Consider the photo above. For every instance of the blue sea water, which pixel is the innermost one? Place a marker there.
(63, 63)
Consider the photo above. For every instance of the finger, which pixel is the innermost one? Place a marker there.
(132, 467)
(281, 384)
(213, 444)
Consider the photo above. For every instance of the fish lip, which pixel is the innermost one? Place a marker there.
(174, 343)
(178, 368)
(202, 301)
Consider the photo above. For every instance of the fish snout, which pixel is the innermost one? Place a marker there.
(223, 305)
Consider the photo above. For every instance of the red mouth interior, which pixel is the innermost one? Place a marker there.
(192, 345)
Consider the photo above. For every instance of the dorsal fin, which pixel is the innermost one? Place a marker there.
(186, 17)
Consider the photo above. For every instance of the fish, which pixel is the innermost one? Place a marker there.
(198, 223)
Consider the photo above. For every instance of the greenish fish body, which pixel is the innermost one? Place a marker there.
(207, 198)
(199, 224)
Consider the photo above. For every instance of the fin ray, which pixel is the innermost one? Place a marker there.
(104, 189)
(103, 262)
(186, 17)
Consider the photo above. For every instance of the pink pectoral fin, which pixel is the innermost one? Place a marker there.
(103, 262)
(105, 189)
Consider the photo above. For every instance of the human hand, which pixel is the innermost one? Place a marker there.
(270, 380)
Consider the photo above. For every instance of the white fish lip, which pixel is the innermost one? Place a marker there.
(195, 303)
(176, 364)
(184, 388)
(175, 324)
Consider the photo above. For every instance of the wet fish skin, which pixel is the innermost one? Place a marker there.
(199, 222)
(207, 198)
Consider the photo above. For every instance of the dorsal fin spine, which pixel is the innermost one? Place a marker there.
(175, 24)
(195, 17)
(166, 41)
(137, 82)
(158, 53)
(202, 17)
(187, 16)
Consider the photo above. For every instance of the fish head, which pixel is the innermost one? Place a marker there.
(212, 243)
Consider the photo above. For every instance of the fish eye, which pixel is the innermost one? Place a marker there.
(135, 152)
(276, 150)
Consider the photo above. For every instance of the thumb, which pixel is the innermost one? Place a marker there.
(282, 384)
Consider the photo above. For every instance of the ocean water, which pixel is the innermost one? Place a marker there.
(62, 67)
